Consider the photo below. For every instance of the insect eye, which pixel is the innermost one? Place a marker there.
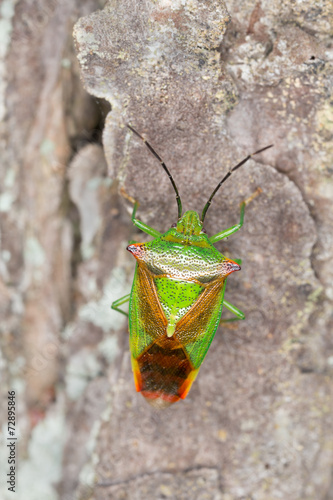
(174, 225)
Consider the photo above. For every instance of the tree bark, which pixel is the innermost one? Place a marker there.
(206, 83)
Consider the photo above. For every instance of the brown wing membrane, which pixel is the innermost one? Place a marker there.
(164, 368)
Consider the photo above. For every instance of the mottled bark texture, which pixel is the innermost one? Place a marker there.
(207, 83)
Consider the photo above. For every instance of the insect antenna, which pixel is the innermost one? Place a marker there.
(151, 149)
(227, 175)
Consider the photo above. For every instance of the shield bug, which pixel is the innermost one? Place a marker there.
(177, 297)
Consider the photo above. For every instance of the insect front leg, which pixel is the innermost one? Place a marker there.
(141, 225)
(136, 222)
(115, 305)
(233, 229)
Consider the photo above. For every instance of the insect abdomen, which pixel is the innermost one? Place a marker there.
(163, 372)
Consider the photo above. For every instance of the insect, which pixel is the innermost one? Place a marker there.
(177, 297)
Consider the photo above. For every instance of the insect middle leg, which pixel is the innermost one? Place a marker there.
(227, 232)
(119, 302)
(237, 312)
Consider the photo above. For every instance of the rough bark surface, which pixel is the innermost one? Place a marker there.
(207, 83)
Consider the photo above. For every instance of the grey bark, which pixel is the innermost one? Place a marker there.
(207, 84)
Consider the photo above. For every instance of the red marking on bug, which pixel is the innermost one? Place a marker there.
(137, 250)
(229, 266)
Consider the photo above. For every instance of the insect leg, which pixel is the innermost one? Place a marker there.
(115, 305)
(141, 225)
(138, 223)
(237, 312)
(231, 230)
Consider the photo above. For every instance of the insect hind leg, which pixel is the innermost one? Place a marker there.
(119, 302)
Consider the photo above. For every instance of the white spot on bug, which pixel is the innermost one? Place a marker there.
(171, 329)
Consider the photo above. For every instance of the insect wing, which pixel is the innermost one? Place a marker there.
(147, 321)
(195, 331)
(165, 368)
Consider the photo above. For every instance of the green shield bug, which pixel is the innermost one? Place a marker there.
(177, 297)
